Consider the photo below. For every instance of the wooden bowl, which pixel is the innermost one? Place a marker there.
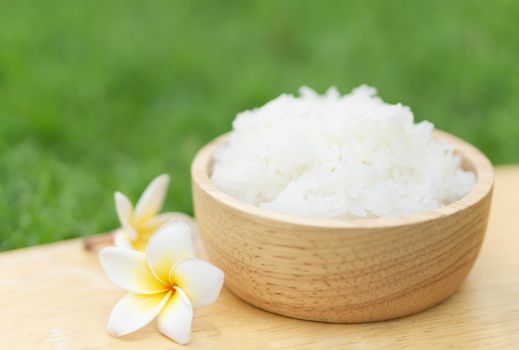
(344, 271)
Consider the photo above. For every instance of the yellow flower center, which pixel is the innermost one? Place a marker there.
(144, 232)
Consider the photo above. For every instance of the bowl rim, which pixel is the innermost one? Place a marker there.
(480, 163)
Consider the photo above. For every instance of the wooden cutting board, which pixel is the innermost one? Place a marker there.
(57, 297)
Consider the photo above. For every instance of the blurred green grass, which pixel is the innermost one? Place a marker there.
(103, 95)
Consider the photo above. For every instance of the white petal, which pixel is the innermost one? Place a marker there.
(159, 220)
(124, 212)
(176, 317)
(135, 311)
(129, 270)
(121, 240)
(151, 200)
(200, 280)
(170, 244)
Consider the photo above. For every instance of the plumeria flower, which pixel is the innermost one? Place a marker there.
(137, 225)
(166, 281)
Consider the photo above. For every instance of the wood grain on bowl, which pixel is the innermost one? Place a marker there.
(343, 270)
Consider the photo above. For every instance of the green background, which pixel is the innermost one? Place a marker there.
(98, 96)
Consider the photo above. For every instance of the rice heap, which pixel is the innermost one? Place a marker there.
(334, 156)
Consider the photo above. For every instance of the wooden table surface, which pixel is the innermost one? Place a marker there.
(57, 297)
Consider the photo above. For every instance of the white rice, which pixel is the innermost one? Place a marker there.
(334, 156)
